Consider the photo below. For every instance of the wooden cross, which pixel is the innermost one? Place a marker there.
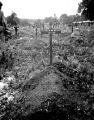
(51, 32)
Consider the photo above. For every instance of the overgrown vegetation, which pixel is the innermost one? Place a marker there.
(74, 74)
(86, 9)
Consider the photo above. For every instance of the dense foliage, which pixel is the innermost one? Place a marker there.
(68, 19)
(86, 8)
(12, 19)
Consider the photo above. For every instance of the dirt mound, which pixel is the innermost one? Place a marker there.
(40, 86)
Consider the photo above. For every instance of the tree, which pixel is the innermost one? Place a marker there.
(48, 19)
(65, 19)
(86, 8)
(37, 23)
(12, 19)
(53, 21)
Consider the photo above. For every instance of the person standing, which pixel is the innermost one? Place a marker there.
(2, 40)
(16, 26)
(16, 29)
(2, 24)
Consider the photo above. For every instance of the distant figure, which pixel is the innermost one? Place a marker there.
(16, 30)
(16, 25)
(36, 31)
(2, 24)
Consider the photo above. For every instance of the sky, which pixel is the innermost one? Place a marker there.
(39, 9)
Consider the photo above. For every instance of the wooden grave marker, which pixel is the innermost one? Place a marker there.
(51, 32)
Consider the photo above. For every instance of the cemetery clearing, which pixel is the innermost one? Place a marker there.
(41, 89)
